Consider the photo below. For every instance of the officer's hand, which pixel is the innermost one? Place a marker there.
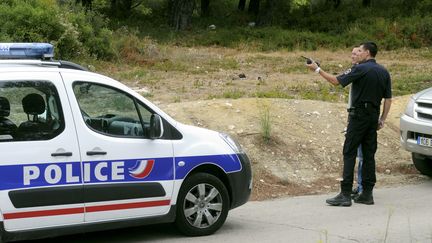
(380, 124)
(313, 66)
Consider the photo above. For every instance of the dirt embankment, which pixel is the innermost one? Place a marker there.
(304, 155)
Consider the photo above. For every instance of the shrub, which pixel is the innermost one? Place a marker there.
(71, 29)
(30, 21)
(265, 121)
(92, 31)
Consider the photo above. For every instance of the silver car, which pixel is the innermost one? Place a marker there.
(416, 130)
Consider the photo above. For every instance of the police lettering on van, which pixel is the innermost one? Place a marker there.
(83, 152)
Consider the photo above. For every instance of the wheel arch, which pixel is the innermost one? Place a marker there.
(214, 170)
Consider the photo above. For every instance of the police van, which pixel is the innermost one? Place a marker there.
(82, 152)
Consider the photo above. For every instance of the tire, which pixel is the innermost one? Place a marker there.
(422, 164)
(202, 205)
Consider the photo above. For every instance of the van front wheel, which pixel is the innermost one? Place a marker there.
(202, 205)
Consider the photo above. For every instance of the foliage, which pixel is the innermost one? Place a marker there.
(92, 32)
(132, 49)
(27, 21)
(295, 24)
(74, 31)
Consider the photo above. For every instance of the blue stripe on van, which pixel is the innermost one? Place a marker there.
(113, 171)
(227, 162)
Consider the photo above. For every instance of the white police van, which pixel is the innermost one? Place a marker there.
(81, 152)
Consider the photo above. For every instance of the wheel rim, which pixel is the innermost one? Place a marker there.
(203, 205)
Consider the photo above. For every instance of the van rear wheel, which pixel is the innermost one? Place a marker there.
(202, 205)
(422, 164)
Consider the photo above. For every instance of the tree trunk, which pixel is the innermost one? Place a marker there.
(181, 13)
(205, 7)
(266, 13)
(241, 5)
(254, 6)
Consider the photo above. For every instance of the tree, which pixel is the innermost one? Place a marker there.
(181, 13)
(272, 11)
(241, 5)
(123, 8)
(266, 14)
(205, 7)
(254, 6)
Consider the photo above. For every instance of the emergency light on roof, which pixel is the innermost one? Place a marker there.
(26, 50)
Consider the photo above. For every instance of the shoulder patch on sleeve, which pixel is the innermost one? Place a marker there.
(347, 71)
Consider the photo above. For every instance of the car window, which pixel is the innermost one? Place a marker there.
(110, 111)
(29, 110)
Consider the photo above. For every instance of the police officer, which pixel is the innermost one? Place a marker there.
(370, 84)
(359, 188)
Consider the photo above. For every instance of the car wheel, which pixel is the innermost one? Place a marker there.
(422, 164)
(202, 205)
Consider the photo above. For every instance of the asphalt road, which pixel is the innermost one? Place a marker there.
(401, 214)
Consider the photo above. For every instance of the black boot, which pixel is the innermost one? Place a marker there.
(365, 197)
(354, 192)
(342, 199)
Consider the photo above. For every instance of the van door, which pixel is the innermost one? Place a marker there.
(40, 168)
(126, 174)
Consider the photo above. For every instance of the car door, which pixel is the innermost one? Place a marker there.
(126, 174)
(40, 181)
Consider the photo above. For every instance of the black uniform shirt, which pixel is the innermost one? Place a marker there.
(370, 83)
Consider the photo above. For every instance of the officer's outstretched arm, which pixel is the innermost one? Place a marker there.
(327, 76)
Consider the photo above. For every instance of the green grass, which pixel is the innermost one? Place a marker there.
(321, 91)
(412, 83)
(177, 99)
(170, 65)
(275, 93)
(226, 63)
(233, 94)
(133, 74)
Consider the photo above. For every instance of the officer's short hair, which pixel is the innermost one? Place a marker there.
(371, 47)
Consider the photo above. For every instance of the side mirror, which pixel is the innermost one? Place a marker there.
(156, 126)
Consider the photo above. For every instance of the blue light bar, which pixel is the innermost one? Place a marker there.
(26, 50)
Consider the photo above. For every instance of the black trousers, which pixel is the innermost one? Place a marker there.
(362, 129)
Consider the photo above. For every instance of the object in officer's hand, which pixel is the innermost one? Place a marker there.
(310, 60)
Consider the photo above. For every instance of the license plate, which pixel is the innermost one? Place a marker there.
(424, 141)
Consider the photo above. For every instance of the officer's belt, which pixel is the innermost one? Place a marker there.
(363, 105)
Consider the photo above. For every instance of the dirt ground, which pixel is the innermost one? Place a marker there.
(304, 154)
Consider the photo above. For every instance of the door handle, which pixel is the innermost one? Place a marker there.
(91, 153)
(67, 154)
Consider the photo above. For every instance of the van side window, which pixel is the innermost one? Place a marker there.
(29, 110)
(110, 111)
